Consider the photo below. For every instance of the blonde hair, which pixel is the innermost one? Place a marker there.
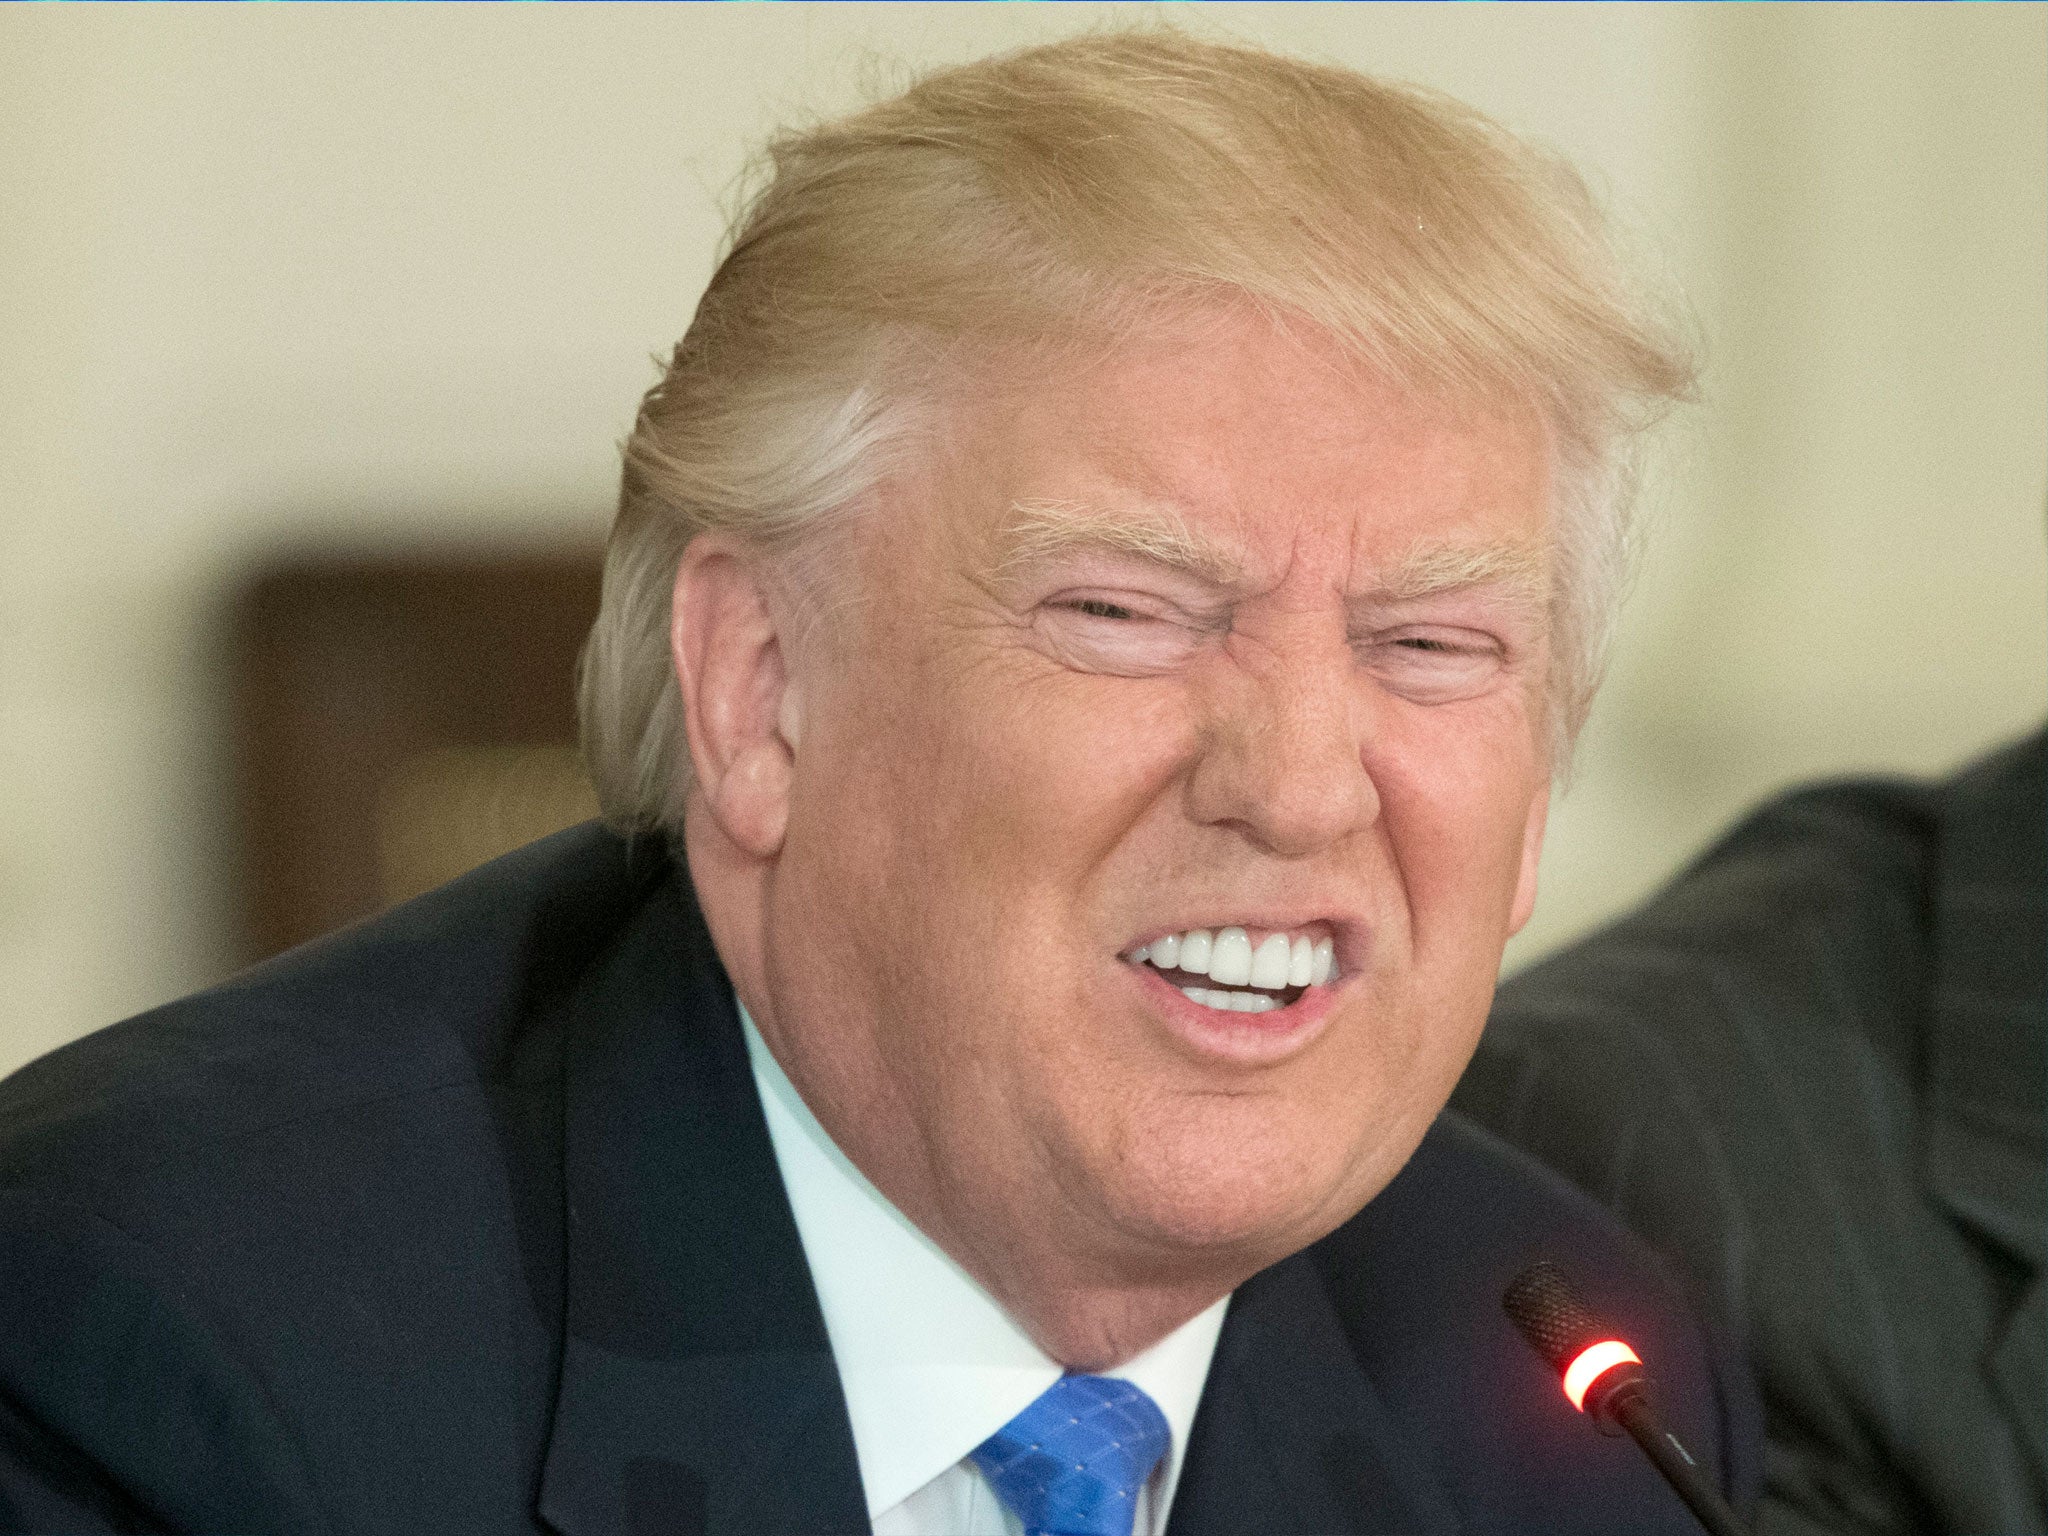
(1068, 192)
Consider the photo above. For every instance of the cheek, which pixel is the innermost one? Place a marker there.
(1049, 771)
(954, 815)
(1456, 804)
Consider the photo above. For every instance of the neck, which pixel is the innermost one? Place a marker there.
(1097, 1328)
(1087, 1297)
(1089, 1305)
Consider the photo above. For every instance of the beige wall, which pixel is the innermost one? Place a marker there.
(359, 277)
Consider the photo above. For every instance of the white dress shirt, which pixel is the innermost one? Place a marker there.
(931, 1366)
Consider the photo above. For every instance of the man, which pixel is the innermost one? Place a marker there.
(1095, 604)
(1812, 1072)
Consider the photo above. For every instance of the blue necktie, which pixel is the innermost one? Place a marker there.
(1072, 1463)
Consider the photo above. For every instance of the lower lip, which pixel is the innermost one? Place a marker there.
(1250, 1039)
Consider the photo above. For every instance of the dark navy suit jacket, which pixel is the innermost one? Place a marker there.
(467, 1220)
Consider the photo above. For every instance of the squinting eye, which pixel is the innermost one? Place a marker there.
(1435, 667)
(1093, 632)
(1096, 608)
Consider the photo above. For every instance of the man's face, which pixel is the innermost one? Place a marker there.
(1223, 634)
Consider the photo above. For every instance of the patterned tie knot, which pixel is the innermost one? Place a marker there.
(1072, 1463)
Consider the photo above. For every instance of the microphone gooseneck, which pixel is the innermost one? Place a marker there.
(1603, 1377)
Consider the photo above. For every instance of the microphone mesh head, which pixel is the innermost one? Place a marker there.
(1543, 1306)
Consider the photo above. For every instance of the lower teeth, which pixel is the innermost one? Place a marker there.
(1232, 1002)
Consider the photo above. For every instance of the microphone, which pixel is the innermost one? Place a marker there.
(1604, 1379)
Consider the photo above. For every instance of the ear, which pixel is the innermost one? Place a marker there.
(1532, 856)
(740, 710)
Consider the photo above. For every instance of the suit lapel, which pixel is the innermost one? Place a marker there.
(697, 1392)
(1987, 1125)
(1291, 1435)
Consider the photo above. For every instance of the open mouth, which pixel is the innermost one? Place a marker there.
(1240, 970)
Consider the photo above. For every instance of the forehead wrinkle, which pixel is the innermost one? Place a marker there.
(1038, 531)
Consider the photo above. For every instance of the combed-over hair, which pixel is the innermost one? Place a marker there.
(1068, 192)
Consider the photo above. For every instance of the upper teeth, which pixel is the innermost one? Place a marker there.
(1227, 956)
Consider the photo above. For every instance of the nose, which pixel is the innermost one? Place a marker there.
(1283, 759)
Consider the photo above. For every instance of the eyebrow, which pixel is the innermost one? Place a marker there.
(1521, 570)
(1038, 531)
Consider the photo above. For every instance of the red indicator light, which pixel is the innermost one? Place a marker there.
(1593, 1362)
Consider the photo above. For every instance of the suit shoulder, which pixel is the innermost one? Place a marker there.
(1470, 1211)
(1854, 853)
(1422, 1269)
(439, 992)
(1856, 863)
(1817, 907)
(1417, 1279)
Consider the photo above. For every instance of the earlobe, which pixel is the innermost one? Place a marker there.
(1532, 858)
(738, 701)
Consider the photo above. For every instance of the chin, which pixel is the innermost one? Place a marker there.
(1254, 1192)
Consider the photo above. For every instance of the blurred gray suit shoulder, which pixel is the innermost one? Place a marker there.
(1812, 1073)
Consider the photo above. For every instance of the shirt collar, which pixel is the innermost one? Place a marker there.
(931, 1366)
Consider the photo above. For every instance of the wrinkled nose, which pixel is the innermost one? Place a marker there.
(1283, 756)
